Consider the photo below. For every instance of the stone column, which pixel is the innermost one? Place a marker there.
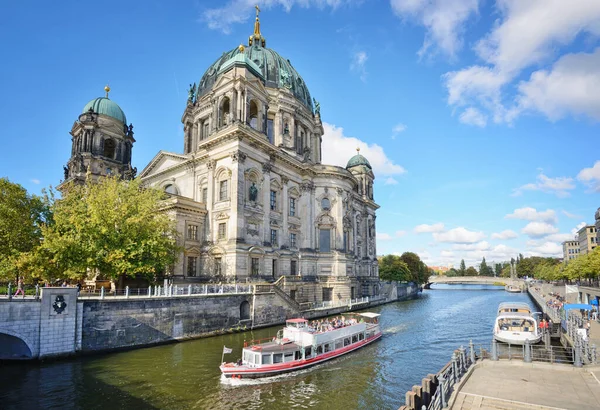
(211, 186)
(266, 188)
(285, 210)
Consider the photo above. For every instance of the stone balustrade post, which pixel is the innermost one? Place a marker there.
(472, 351)
(189, 290)
(159, 290)
(37, 291)
(527, 353)
(127, 292)
(150, 291)
(9, 291)
(577, 354)
(494, 350)
(443, 388)
(102, 292)
(206, 289)
(463, 358)
(454, 368)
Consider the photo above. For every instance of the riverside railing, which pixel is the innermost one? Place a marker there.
(578, 336)
(340, 303)
(168, 291)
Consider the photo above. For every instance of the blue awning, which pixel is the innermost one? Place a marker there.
(577, 306)
(594, 302)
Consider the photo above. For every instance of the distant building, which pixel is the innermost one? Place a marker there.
(570, 250)
(440, 270)
(587, 237)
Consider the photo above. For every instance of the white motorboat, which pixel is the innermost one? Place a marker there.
(515, 324)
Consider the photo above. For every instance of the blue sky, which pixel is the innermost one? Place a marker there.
(479, 117)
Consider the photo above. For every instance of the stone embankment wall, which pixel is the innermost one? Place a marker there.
(49, 328)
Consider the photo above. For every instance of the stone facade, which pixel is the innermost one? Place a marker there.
(259, 204)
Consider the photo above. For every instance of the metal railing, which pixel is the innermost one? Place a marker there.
(578, 336)
(167, 291)
(340, 303)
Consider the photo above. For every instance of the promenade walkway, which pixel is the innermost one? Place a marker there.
(518, 385)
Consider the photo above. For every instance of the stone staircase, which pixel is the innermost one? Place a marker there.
(281, 293)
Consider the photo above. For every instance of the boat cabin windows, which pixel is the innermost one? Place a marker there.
(319, 350)
(307, 352)
(361, 336)
(266, 359)
(297, 355)
(277, 358)
(354, 338)
(328, 347)
(516, 325)
(339, 344)
(297, 323)
(346, 341)
(289, 357)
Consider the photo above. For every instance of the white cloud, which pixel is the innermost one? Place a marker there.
(390, 181)
(578, 227)
(560, 237)
(532, 214)
(528, 34)
(559, 186)
(338, 149)
(399, 234)
(570, 215)
(478, 246)
(443, 20)
(35, 181)
(358, 64)
(571, 87)
(240, 11)
(458, 235)
(539, 229)
(382, 236)
(506, 234)
(446, 254)
(398, 128)
(591, 176)
(424, 228)
(547, 249)
(472, 116)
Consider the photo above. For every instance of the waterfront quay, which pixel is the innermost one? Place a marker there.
(562, 372)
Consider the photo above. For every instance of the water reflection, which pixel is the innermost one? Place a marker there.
(419, 337)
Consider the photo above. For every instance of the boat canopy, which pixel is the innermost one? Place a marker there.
(370, 315)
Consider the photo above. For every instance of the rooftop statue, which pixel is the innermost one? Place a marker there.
(317, 107)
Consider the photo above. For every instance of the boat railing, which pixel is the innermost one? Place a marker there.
(255, 342)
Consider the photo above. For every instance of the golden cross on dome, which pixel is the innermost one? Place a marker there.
(358, 150)
(257, 10)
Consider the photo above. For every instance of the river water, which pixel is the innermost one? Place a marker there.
(419, 337)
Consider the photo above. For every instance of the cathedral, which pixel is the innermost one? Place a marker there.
(250, 196)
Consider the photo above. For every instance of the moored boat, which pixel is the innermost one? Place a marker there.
(512, 289)
(515, 324)
(298, 345)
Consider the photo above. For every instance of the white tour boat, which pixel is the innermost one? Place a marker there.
(298, 345)
(515, 324)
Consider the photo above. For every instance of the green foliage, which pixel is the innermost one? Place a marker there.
(498, 269)
(463, 268)
(419, 272)
(392, 267)
(21, 219)
(471, 271)
(584, 266)
(452, 272)
(110, 226)
(484, 269)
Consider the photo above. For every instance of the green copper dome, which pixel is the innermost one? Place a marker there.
(103, 105)
(358, 160)
(276, 71)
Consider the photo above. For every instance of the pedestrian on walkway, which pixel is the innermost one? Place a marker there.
(20, 287)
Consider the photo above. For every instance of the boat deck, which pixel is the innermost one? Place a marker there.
(273, 347)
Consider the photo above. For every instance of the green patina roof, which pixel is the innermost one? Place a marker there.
(274, 70)
(103, 105)
(358, 160)
(241, 58)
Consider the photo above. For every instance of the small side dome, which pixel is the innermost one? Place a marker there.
(103, 105)
(358, 160)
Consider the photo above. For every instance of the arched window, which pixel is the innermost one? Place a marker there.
(171, 189)
(245, 311)
(253, 117)
(109, 148)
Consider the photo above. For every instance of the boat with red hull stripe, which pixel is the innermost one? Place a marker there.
(300, 345)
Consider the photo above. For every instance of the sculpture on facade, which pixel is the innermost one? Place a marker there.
(253, 192)
(66, 169)
(317, 107)
(286, 129)
(192, 93)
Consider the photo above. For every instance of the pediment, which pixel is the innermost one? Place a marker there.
(162, 162)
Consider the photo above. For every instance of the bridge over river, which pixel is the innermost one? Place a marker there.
(469, 280)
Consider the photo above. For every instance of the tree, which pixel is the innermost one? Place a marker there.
(452, 272)
(21, 218)
(392, 267)
(113, 227)
(484, 269)
(463, 268)
(498, 269)
(419, 272)
(471, 271)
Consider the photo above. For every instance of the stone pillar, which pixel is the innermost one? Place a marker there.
(210, 199)
(266, 192)
(59, 318)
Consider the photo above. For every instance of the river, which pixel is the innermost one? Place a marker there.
(419, 337)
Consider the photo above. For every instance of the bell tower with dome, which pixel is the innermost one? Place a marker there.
(252, 199)
(101, 143)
